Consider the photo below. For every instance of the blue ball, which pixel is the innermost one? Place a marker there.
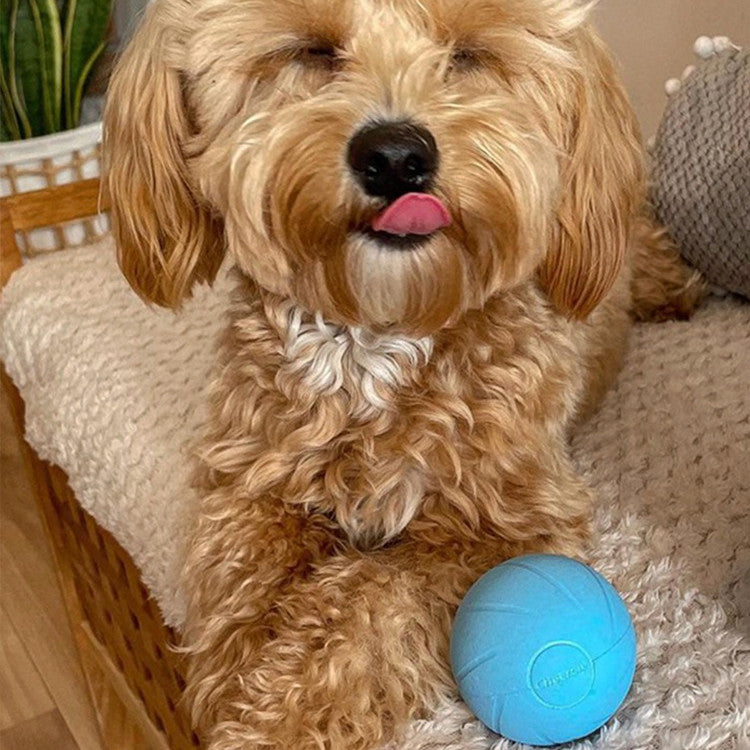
(543, 649)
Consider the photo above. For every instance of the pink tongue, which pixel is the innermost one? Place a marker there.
(413, 213)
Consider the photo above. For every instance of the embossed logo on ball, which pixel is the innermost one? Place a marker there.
(561, 674)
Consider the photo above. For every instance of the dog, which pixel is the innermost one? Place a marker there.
(435, 212)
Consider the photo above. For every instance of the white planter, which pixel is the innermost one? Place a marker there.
(49, 160)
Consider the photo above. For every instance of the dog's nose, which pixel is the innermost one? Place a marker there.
(393, 158)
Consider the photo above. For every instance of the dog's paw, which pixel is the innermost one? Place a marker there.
(357, 653)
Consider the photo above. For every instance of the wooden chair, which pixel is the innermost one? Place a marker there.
(134, 677)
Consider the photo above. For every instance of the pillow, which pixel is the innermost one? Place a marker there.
(700, 183)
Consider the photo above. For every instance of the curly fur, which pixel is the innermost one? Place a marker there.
(386, 425)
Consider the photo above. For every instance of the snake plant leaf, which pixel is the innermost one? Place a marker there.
(52, 60)
(9, 127)
(36, 62)
(9, 130)
(16, 92)
(28, 53)
(85, 29)
(78, 93)
(5, 12)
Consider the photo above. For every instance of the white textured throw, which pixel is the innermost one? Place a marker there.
(113, 389)
(113, 392)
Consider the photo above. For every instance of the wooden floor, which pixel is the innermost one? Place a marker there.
(44, 704)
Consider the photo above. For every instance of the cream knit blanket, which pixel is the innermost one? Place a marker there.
(113, 394)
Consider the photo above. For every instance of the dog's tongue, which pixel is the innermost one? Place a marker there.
(413, 213)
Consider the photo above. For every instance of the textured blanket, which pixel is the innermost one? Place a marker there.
(113, 393)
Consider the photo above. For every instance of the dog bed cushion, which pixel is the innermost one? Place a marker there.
(113, 392)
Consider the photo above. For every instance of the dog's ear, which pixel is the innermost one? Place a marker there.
(601, 184)
(166, 240)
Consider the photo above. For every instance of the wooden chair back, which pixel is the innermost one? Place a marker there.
(43, 208)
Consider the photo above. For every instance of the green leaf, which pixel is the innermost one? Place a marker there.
(49, 18)
(9, 128)
(5, 12)
(36, 54)
(78, 94)
(16, 91)
(85, 35)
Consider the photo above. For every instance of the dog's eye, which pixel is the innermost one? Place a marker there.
(465, 59)
(319, 54)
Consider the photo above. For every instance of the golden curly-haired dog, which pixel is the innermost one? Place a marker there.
(436, 213)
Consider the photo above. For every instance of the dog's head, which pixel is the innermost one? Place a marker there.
(307, 136)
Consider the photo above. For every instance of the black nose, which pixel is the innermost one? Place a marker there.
(393, 158)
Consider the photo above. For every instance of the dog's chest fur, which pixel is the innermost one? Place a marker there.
(352, 379)
(367, 368)
(367, 428)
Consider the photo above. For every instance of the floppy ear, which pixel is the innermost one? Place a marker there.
(166, 240)
(601, 185)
